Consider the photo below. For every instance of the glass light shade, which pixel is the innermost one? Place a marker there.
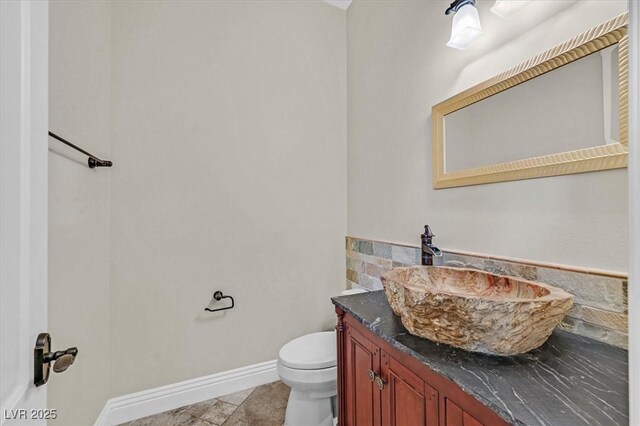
(506, 8)
(465, 28)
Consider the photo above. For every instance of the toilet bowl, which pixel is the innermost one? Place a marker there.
(308, 365)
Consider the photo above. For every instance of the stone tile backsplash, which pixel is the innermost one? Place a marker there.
(600, 301)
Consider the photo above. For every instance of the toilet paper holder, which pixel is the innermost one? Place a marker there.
(217, 296)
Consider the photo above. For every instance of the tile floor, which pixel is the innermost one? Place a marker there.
(261, 406)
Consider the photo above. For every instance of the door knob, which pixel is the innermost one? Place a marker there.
(61, 359)
(43, 357)
(380, 382)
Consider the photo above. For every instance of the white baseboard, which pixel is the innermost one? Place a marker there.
(141, 404)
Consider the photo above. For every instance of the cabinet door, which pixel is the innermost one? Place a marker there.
(362, 364)
(456, 416)
(406, 399)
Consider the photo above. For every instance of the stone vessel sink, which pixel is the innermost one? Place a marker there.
(474, 310)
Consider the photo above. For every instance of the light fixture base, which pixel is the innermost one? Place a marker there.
(457, 4)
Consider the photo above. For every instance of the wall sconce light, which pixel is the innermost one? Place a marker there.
(506, 8)
(466, 24)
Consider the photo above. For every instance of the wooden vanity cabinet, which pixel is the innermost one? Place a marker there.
(381, 386)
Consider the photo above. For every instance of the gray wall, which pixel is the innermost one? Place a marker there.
(229, 137)
(226, 122)
(399, 67)
(80, 110)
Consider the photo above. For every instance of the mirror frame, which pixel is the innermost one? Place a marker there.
(601, 157)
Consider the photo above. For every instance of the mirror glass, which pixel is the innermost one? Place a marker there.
(572, 107)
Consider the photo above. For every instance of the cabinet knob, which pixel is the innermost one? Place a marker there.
(372, 375)
(380, 382)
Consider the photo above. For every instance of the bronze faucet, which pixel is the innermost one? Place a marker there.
(428, 249)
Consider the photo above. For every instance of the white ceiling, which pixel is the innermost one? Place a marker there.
(342, 4)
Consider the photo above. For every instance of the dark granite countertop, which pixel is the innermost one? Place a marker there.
(570, 380)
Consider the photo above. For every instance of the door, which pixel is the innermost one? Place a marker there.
(362, 366)
(406, 399)
(23, 206)
(456, 416)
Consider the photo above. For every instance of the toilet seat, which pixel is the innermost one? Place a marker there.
(310, 352)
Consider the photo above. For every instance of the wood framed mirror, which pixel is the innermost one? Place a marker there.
(563, 111)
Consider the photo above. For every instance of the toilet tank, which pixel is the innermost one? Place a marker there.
(353, 291)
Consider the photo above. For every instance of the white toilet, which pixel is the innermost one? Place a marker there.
(308, 365)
